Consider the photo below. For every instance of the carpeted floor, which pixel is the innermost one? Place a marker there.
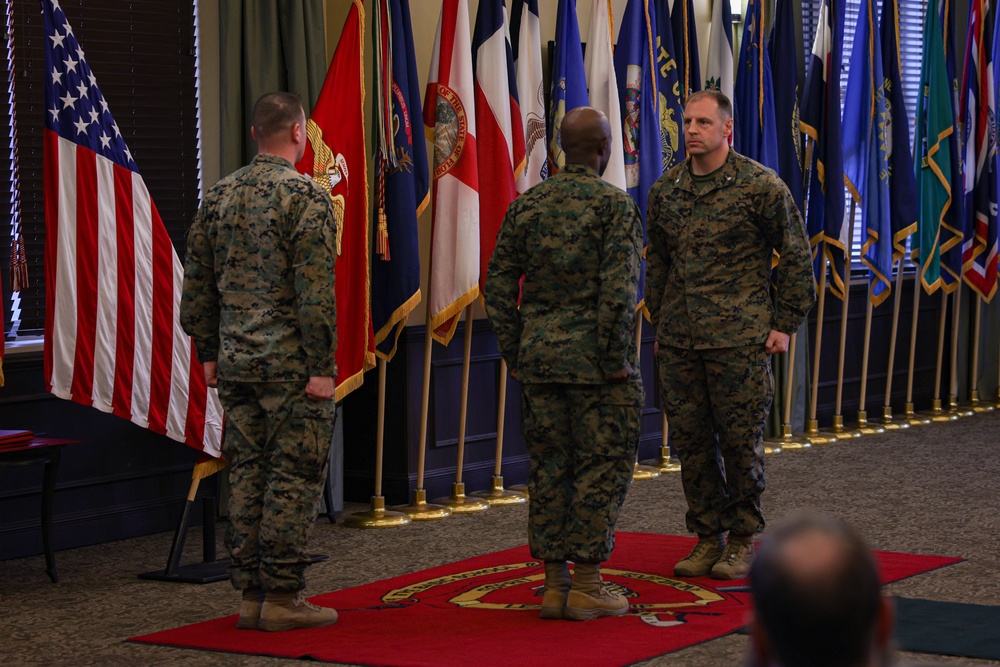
(928, 490)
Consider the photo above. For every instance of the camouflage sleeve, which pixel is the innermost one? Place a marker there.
(314, 258)
(199, 311)
(795, 286)
(503, 278)
(657, 262)
(619, 285)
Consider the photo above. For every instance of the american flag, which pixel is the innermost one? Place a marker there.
(112, 277)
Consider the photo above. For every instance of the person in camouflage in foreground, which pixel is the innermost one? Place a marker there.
(713, 223)
(259, 302)
(577, 241)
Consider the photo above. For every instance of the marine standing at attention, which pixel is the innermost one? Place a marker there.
(259, 302)
(714, 222)
(577, 241)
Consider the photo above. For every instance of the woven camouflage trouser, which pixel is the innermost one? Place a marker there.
(717, 403)
(582, 442)
(277, 444)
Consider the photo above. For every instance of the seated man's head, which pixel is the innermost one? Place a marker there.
(817, 597)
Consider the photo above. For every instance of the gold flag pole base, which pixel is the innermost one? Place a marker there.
(497, 495)
(914, 419)
(937, 415)
(889, 423)
(378, 517)
(817, 437)
(786, 441)
(865, 428)
(998, 397)
(838, 430)
(640, 471)
(459, 503)
(520, 488)
(956, 409)
(663, 463)
(977, 405)
(421, 510)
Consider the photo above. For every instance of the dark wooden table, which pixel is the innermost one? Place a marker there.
(47, 451)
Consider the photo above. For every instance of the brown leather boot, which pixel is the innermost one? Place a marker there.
(287, 610)
(705, 554)
(588, 597)
(557, 585)
(736, 559)
(253, 600)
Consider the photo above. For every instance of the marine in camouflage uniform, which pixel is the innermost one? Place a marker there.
(259, 300)
(577, 240)
(707, 288)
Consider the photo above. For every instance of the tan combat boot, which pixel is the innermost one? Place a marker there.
(253, 600)
(588, 597)
(736, 560)
(705, 554)
(285, 610)
(557, 585)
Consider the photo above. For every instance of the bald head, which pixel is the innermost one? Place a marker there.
(586, 138)
(816, 593)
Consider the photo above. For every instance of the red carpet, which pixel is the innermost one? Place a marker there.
(468, 611)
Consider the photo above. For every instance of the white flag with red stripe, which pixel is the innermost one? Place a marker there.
(499, 134)
(450, 116)
(113, 340)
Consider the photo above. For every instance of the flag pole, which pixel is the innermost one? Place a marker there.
(956, 312)
(838, 416)
(974, 402)
(663, 462)
(786, 440)
(420, 509)
(812, 426)
(936, 413)
(497, 495)
(863, 425)
(378, 517)
(908, 414)
(643, 470)
(458, 502)
(887, 420)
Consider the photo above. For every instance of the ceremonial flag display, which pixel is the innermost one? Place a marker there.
(668, 85)
(600, 67)
(636, 72)
(526, 47)
(719, 67)
(955, 221)
(685, 30)
(569, 79)
(336, 158)
(979, 251)
(450, 116)
(785, 76)
(754, 121)
(499, 134)
(113, 339)
(821, 122)
(866, 165)
(935, 129)
(902, 188)
(401, 170)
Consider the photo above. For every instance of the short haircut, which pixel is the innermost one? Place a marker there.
(274, 113)
(725, 106)
(824, 621)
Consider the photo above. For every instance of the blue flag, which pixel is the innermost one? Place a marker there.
(785, 76)
(935, 129)
(902, 188)
(569, 79)
(821, 122)
(635, 68)
(754, 125)
(669, 86)
(866, 164)
(686, 42)
(402, 178)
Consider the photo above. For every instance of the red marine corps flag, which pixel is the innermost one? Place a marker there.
(335, 157)
(113, 339)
